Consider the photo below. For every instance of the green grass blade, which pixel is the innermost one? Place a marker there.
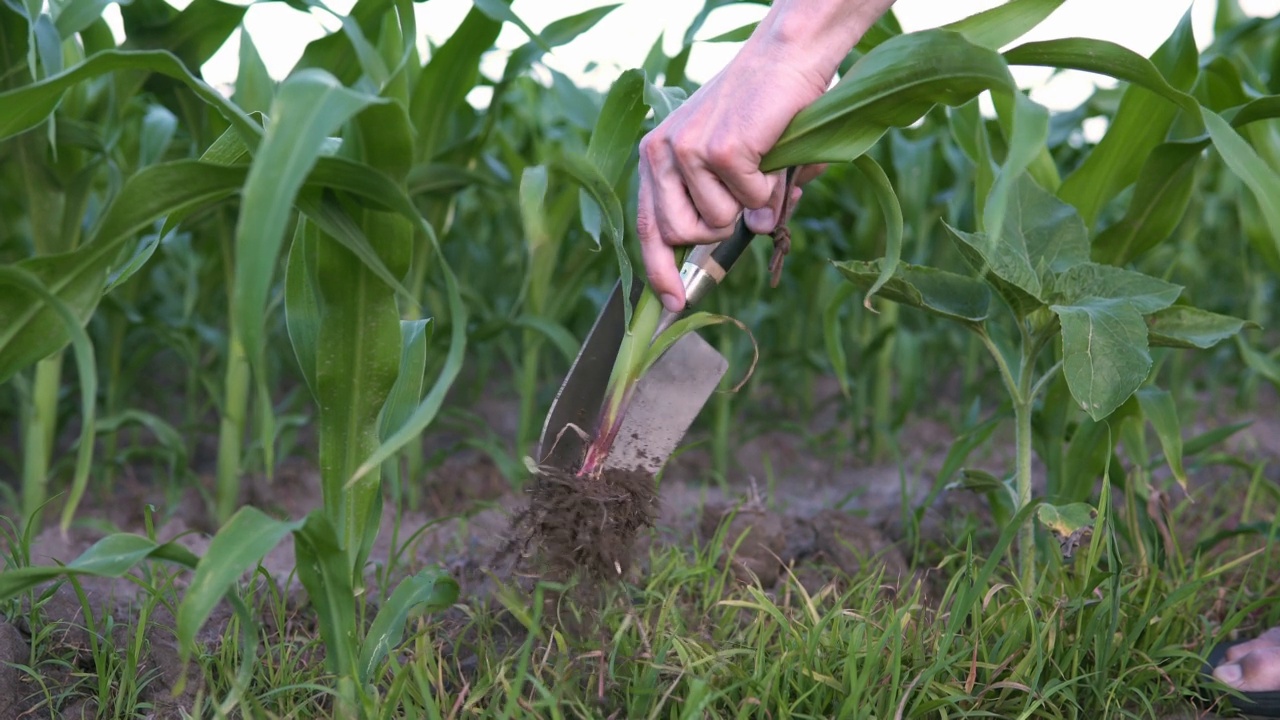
(237, 548)
(432, 588)
(86, 370)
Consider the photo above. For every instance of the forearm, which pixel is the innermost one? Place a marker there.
(815, 35)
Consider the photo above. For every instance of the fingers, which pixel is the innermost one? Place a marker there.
(659, 258)
(763, 219)
(1259, 671)
(807, 173)
(1270, 638)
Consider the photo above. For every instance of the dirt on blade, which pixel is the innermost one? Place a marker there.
(583, 527)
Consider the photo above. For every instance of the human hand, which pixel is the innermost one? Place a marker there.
(700, 168)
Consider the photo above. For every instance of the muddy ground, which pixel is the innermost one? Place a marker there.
(794, 504)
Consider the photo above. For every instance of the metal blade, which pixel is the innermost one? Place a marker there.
(582, 392)
(667, 400)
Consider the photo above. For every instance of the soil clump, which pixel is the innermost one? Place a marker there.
(583, 528)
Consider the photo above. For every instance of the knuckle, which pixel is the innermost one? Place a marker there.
(722, 155)
(685, 149)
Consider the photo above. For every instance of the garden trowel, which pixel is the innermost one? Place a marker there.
(668, 397)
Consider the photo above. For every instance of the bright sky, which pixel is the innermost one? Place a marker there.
(623, 38)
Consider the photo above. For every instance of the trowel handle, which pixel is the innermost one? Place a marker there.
(706, 265)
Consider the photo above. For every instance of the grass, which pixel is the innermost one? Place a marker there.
(1100, 636)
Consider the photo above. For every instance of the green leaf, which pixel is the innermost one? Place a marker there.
(357, 361)
(1069, 523)
(1146, 112)
(567, 29)
(601, 191)
(888, 199)
(1182, 326)
(443, 85)
(1042, 236)
(1245, 163)
(1105, 358)
(193, 35)
(254, 85)
(27, 106)
(431, 588)
(614, 139)
(1161, 411)
(110, 557)
(77, 15)
(563, 340)
(158, 128)
(892, 86)
(618, 128)
(237, 548)
(1001, 25)
(85, 370)
(942, 293)
(1159, 201)
(1107, 282)
(1265, 365)
(301, 305)
(309, 106)
(500, 10)
(736, 35)
(452, 365)
(407, 391)
(1030, 129)
(326, 575)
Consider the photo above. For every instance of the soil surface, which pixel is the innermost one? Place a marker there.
(792, 503)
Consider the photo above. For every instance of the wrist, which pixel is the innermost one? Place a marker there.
(816, 35)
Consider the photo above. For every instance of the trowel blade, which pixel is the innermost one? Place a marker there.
(667, 399)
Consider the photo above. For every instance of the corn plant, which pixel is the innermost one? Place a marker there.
(334, 162)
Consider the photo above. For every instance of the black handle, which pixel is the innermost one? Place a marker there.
(727, 252)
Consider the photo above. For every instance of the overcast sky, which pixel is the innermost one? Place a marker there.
(623, 38)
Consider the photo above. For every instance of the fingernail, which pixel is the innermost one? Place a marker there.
(1229, 674)
(670, 302)
(761, 220)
